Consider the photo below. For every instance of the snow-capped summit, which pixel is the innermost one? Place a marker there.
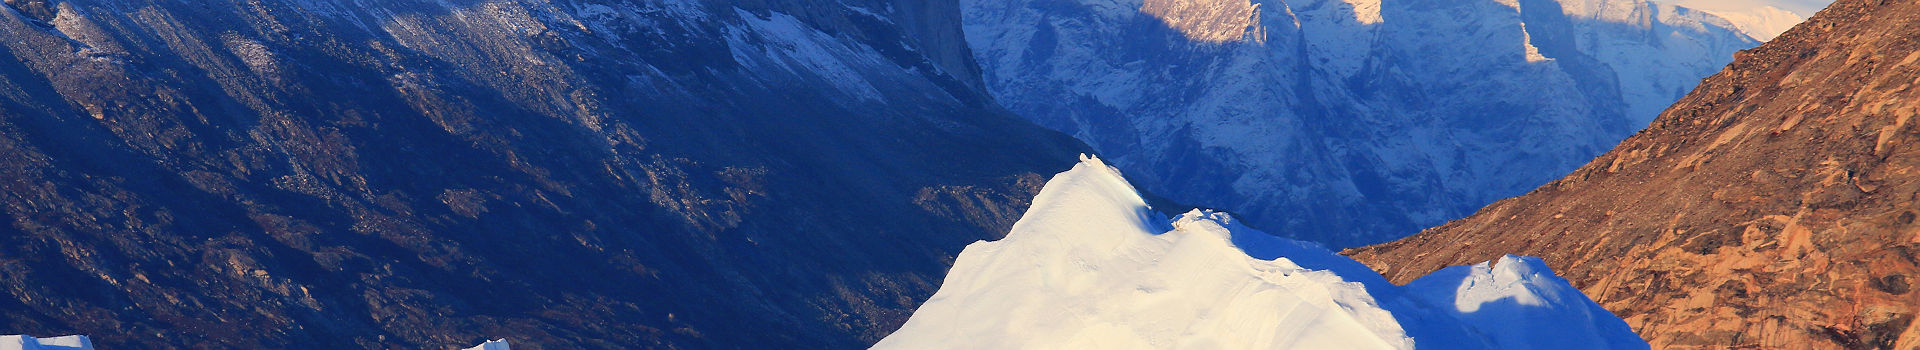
(1758, 19)
(1344, 121)
(1764, 22)
(1091, 266)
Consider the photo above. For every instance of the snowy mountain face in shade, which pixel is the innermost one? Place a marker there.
(1344, 121)
(1091, 266)
(1495, 297)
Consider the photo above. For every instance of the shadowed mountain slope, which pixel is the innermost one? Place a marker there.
(421, 174)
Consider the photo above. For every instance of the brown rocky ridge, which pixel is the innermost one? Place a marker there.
(1773, 207)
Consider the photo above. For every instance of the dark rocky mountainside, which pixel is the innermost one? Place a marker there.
(426, 174)
(1773, 207)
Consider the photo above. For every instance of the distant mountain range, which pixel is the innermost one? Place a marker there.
(1762, 20)
(1344, 122)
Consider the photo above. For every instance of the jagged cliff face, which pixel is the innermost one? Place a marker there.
(1344, 122)
(1773, 207)
(419, 174)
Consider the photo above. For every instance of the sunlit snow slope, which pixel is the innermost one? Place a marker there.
(1091, 266)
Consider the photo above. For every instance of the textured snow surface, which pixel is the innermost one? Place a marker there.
(1346, 122)
(21, 342)
(1091, 266)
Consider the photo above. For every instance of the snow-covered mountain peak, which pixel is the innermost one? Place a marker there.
(1761, 19)
(1091, 266)
(1762, 23)
(1211, 21)
(1082, 270)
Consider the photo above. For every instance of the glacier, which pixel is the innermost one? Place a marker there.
(1345, 122)
(1092, 266)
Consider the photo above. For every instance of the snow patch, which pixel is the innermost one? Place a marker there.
(496, 344)
(1502, 298)
(22, 342)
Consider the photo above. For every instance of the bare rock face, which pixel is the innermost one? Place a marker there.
(428, 174)
(1773, 207)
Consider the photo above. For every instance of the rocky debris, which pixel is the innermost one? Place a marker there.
(1772, 207)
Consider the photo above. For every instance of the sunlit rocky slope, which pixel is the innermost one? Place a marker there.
(1773, 207)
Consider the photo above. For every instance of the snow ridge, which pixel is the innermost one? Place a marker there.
(1090, 265)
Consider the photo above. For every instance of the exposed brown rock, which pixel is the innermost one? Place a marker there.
(1773, 207)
